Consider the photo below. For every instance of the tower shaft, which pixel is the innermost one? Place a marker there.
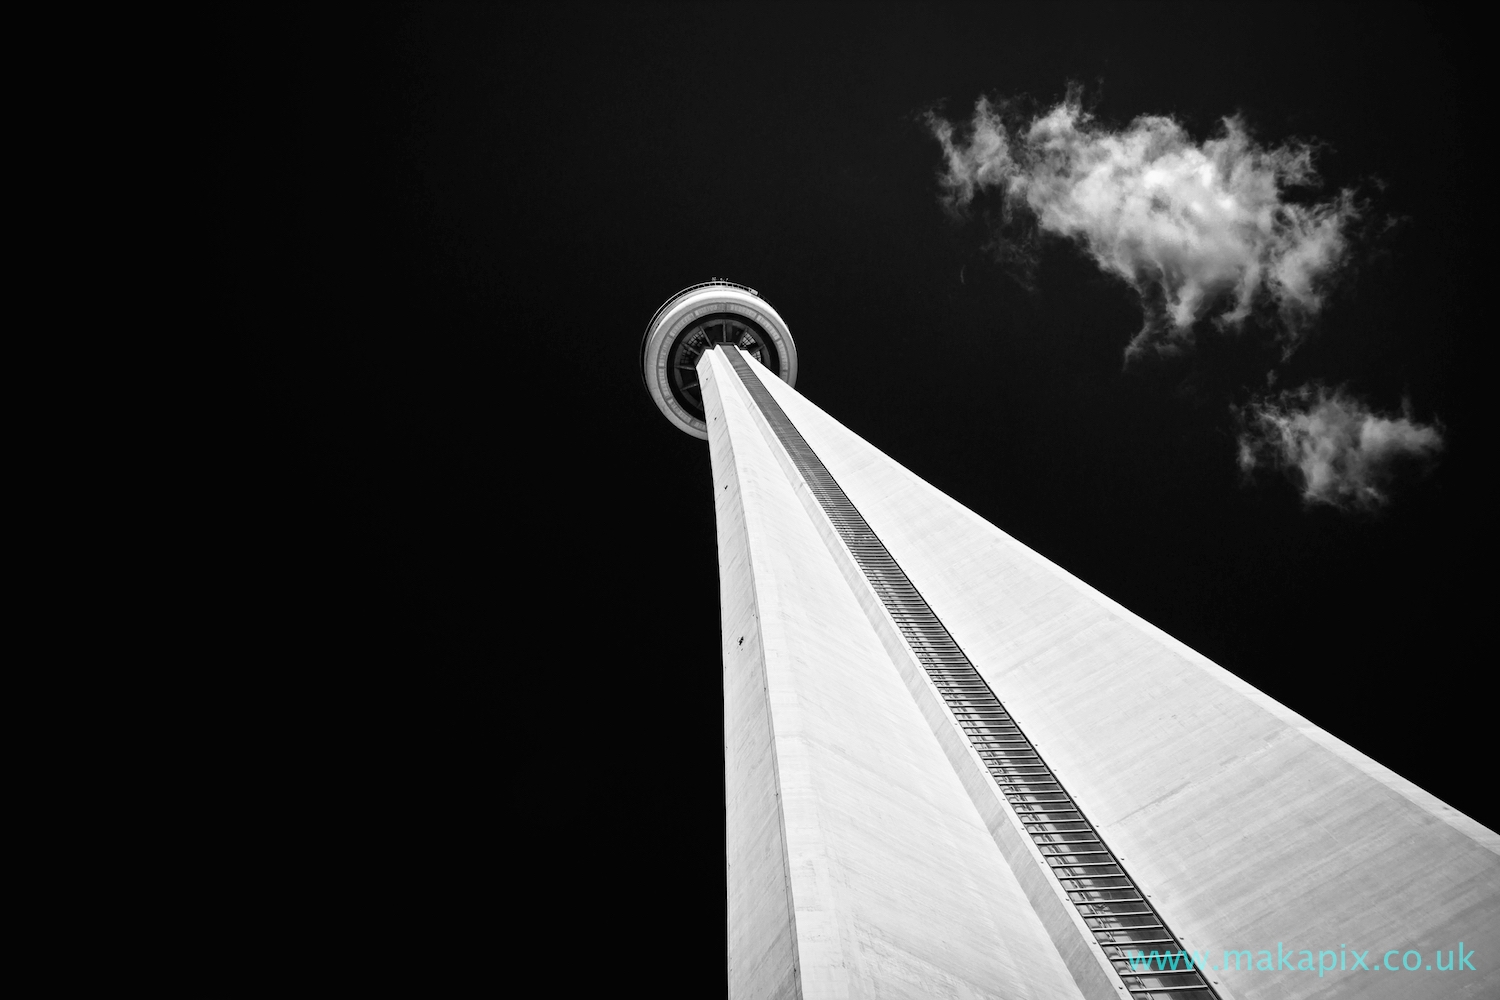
(954, 769)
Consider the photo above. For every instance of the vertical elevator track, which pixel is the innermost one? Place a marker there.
(1121, 918)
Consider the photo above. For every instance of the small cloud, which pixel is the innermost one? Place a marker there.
(1199, 230)
(1345, 454)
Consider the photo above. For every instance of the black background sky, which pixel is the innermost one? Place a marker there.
(489, 563)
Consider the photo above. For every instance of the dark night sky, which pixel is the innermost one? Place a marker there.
(449, 226)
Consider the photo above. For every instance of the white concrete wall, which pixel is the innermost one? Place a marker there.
(1247, 824)
(762, 939)
(892, 885)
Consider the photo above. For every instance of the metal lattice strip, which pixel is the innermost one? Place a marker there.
(1122, 920)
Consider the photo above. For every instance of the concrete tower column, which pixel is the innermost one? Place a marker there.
(955, 770)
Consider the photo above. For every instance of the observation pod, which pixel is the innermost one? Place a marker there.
(691, 323)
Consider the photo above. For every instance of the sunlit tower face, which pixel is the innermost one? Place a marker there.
(693, 322)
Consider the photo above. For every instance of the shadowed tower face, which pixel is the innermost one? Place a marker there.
(955, 770)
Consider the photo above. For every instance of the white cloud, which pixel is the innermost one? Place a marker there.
(1345, 454)
(1198, 229)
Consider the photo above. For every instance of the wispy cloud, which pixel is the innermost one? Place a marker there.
(1345, 454)
(1200, 229)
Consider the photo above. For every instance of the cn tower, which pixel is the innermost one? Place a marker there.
(953, 769)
